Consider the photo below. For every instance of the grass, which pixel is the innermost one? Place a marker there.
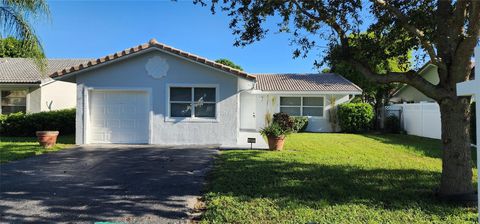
(333, 178)
(15, 148)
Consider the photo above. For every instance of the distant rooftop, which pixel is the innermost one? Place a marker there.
(24, 70)
(329, 82)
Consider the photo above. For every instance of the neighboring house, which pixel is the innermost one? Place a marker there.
(409, 94)
(24, 88)
(156, 94)
(419, 115)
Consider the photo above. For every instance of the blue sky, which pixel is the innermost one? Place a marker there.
(88, 29)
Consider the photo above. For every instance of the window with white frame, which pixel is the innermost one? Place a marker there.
(302, 106)
(193, 102)
(13, 101)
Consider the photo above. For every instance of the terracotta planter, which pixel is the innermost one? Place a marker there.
(276, 143)
(47, 139)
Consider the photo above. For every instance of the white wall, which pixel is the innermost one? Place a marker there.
(131, 73)
(421, 119)
(34, 99)
(58, 95)
(267, 105)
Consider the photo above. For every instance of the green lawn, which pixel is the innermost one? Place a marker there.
(14, 148)
(333, 178)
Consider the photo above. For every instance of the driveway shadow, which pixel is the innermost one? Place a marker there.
(144, 184)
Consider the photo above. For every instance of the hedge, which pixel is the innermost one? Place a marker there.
(355, 117)
(21, 124)
(299, 123)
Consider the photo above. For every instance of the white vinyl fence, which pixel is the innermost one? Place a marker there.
(421, 119)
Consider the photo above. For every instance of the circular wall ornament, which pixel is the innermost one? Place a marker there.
(157, 67)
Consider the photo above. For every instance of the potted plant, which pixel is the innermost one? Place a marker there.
(47, 139)
(281, 126)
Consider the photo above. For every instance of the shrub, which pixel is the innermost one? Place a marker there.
(282, 124)
(284, 120)
(3, 117)
(20, 124)
(274, 130)
(355, 117)
(299, 123)
(473, 125)
(392, 124)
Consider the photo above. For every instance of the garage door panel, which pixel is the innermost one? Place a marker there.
(128, 123)
(98, 123)
(128, 109)
(113, 109)
(97, 137)
(113, 124)
(99, 110)
(118, 117)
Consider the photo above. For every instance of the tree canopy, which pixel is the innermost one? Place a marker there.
(13, 48)
(445, 31)
(373, 92)
(229, 63)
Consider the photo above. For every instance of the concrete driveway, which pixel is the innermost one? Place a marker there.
(133, 184)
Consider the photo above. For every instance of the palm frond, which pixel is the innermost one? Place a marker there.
(14, 16)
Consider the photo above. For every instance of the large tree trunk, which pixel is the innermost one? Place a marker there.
(457, 159)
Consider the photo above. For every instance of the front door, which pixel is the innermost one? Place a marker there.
(248, 107)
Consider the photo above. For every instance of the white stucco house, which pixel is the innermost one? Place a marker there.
(156, 94)
(23, 88)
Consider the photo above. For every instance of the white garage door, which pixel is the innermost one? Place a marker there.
(118, 117)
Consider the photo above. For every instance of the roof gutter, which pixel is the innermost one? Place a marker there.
(19, 84)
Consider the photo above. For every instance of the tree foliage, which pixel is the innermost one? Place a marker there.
(229, 63)
(373, 93)
(15, 17)
(12, 48)
(446, 31)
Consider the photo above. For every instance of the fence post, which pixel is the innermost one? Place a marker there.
(382, 117)
(403, 111)
(422, 117)
(400, 120)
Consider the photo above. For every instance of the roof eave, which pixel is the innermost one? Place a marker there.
(298, 92)
(23, 84)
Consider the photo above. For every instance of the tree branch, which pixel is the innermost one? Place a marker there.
(466, 46)
(411, 78)
(326, 19)
(459, 16)
(413, 30)
(444, 31)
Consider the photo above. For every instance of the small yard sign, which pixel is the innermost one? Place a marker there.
(251, 141)
(472, 88)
